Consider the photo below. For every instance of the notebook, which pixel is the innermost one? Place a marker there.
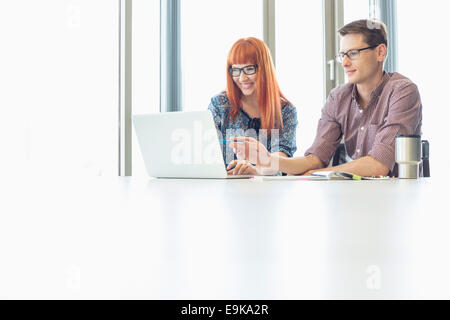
(324, 175)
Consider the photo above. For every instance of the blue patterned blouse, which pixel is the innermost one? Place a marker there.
(244, 125)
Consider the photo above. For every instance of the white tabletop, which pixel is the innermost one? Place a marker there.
(216, 239)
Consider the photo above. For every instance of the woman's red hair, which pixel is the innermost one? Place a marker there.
(254, 51)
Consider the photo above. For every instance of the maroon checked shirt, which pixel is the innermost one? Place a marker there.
(394, 108)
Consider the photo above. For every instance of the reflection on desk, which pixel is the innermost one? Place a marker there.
(218, 239)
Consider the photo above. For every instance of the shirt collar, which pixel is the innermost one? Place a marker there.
(253, 123)
(375, 92)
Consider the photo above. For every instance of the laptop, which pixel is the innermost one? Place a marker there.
(181, 145)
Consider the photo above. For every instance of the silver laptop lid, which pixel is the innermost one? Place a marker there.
(180, 145)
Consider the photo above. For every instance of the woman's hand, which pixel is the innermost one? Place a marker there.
(241, 167)
(251, 150)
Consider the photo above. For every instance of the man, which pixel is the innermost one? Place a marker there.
(368, 111)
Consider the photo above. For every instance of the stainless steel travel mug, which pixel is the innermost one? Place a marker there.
(408, 154)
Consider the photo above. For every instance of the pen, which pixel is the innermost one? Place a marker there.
(342, 174)
(230, 141)
(351, 176)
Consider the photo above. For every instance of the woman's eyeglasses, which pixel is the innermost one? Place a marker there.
(248, 70)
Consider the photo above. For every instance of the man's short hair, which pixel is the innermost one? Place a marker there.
(374, 31)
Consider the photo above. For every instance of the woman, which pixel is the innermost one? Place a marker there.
(254, 106)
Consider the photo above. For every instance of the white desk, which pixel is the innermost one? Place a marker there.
(216, 239)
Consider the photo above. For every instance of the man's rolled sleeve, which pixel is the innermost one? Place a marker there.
(329, 133)
(404, 117)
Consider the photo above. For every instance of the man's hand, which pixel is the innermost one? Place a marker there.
(251, 150)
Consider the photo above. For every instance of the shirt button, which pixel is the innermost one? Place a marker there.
(362, 128)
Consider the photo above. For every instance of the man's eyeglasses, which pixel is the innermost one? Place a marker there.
(248, 70)
(351, 54)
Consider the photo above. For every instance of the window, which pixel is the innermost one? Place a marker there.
(145, 73)
(208, 30)
(355, 10)
(422, 55)
(59, 98)
(299, 63)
